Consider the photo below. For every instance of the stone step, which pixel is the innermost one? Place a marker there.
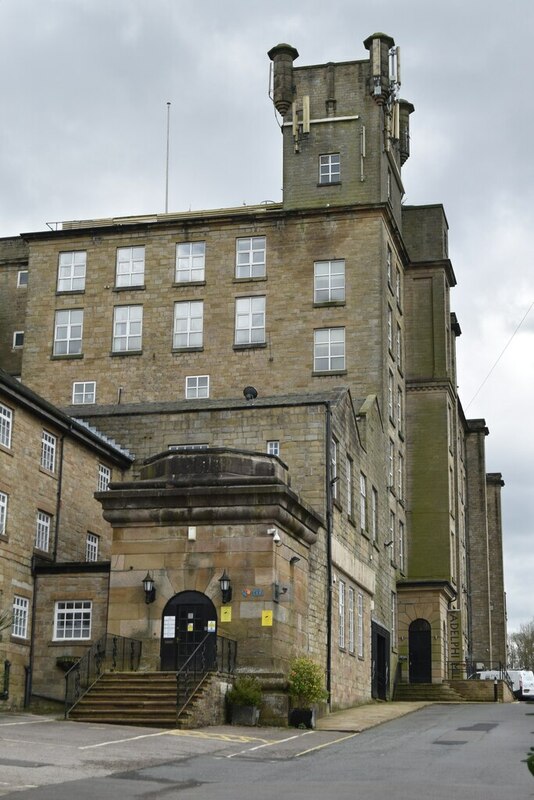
(127, 698)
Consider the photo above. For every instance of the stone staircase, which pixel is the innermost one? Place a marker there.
(138, 698)
(431, 692)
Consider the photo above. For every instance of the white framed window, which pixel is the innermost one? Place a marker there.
(401, 545)
(329, 350)
(104, 477)
(350, 488)
(127, 328)
(400, 477)
(6, 425)
(329, 168)
(83, 392)
(398, 347)
(250, 257)
(3, 513)
(130, 266)
(392, 535)
(249, 320)
(333, 467)
(18, 340)
(391, 408)
(42, 531)
(398, 288)
(360, 626)
(197, 386)
(394, 620)
(391, 465)
(389, 266)
(374, 514)
(91, 546)
(21, 610)
(71, 271)
(22, 278)
(273, 447)
(190, 262)
(72, 619)
(48, 451)
(363, 502)
(390, 329)
(68, 332)
(329, 281)
(399, 410)
(351, 620)
(341, 614)
(188, 324)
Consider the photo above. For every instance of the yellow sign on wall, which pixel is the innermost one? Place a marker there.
(267, 619)
(226, 613)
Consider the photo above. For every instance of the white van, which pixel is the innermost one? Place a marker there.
(523, 683)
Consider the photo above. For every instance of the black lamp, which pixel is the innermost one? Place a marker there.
(150, 588)
(226, 589)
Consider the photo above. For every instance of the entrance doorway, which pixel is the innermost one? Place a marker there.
(420, 651)
(188, 619)
(379, 661)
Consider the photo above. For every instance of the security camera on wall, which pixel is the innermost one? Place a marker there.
(276, 538)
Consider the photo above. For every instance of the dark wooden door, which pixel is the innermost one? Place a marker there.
(188, 619)
(420, 651)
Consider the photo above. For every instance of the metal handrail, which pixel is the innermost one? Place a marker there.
(110, 652)
(202, 661)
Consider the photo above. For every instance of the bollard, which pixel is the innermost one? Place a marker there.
(495, 690)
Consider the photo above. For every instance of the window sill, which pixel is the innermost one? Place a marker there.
(140, 288)
(254, 279)
(252, 346)
(48, 472)
(68, 292)
(7, 450)
(328, 183)
(351, 520)
(118, 353)
(329, 372)
(365, 534)
(188, 349)
(329, 304)
(65, 356)
(337, 504)
(184, 284)
(20, 640)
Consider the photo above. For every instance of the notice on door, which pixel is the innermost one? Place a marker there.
(169, 625)
(267, 619)
(226, 613)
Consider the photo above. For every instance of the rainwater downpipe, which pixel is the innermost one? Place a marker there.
(329, 574)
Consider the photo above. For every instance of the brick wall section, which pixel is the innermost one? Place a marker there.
(479, 565)
(67, 495)
(494, 483)
(13, 258)
(158, 374)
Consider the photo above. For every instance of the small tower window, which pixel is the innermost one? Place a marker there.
(329, 168)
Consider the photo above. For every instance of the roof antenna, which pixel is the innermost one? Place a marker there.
(167, 161)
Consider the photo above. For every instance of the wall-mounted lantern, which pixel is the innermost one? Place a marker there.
(150, 588)
(226, 588)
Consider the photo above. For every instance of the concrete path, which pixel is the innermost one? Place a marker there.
(360, 718)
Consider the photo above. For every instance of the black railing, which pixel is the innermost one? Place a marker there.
(204, 659)
(470, 670)
(109, 653)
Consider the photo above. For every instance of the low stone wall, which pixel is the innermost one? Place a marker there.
(483, 691)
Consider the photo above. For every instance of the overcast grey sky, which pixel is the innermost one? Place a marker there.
(83, 91)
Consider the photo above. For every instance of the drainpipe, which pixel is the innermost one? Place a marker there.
(58, 496)
(29, 668)
(329, 575)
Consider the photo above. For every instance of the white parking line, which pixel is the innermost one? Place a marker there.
(269, 744)
(26, 722)
(326, 744)
(120, 741)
